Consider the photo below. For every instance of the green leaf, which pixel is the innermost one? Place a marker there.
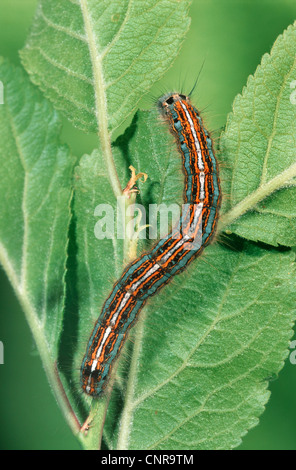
(34, 197)
(203, 357)
(258, 151)
(35, 192)
(97, 263)
(196, 372)
(95, 59)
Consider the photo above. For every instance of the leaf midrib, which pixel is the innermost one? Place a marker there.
(100, 100)
(257, 196)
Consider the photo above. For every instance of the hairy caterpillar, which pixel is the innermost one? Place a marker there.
(170, 256)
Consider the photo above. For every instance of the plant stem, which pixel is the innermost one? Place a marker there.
(126, 417)
(258, 195)
(101, 101)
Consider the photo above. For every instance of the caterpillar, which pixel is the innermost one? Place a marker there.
(171, 255)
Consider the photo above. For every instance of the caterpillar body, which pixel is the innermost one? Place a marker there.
(171, 255)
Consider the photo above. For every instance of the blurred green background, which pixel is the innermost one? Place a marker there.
(227, 40)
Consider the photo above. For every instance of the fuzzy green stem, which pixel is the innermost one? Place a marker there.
(100, 100)
(254, 198)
